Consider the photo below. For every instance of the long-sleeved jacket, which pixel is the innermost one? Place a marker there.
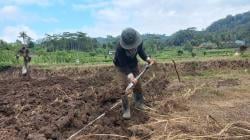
(25, 53)
(125, 63)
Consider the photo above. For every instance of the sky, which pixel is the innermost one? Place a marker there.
(99, 18)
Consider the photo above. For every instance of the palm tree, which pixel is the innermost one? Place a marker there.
(24, 36)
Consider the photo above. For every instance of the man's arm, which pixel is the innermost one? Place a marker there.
(142, 53)
(18, 54)
(144, 56)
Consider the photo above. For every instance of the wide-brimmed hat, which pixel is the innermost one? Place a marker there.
(130, 39)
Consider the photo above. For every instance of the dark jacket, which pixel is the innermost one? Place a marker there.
(125, 63)
(25, 53)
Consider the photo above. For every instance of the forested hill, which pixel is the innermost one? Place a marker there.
(231, 23)
(220, 32)
(228, 29)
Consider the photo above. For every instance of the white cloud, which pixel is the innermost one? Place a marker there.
(87, 6)
(49, 20)
(162, 16)
(33, 2)
(128, 3)
(12, 13)
(11, 33)
(9, 9)
(171, 13)
(9, 12)
(111, 16)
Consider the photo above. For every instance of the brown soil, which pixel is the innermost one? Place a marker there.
(54, 104)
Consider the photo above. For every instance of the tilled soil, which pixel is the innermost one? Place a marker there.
(53, 104)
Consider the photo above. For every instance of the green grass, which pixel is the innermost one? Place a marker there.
(70, 57)
(172, 54)
(41, 57)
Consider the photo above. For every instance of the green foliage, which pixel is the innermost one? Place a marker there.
(223, 33)
(230, 22)
(232, 28)
(92, 54)
(69, 41)
(208, 45)
(41, 57)
(193, 54)
(179, 52)
(31, 44)
(24, 36)
(4, 67)
(3, 45)
(183, 36)
(242, 49)
(104, 46)
(154, 43)
(188, 47)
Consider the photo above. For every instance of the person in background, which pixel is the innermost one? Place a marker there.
(24, 52)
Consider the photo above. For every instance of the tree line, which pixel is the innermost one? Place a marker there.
(220, 34)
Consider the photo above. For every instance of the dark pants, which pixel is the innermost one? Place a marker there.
(26, 59)
(123, 81)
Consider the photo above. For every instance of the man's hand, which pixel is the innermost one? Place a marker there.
(132, 78)
(150, 61)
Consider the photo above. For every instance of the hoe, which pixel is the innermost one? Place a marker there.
(114, 106)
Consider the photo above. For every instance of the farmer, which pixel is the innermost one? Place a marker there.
(125, 60)
(24, 52)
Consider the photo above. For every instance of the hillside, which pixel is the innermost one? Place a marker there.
(228, 29)
(237, 22)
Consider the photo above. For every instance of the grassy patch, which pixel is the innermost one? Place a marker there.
(4, 67)
(41, 57)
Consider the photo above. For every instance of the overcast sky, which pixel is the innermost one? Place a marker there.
(109, 17)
